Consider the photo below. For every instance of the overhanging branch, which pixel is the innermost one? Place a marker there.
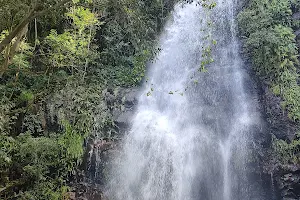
(34, 13)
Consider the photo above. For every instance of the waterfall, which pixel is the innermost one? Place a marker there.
(189, 138)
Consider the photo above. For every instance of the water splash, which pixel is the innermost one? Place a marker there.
(191, 146)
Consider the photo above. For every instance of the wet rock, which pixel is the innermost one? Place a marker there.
(123, 113)
(297, 33)
(123, 121)
(287, 177)
(296, 15)
(284, 180)
(121, 104)
(84, 191)
(289, 184)
(277, 119)
(98, 159)
(130, 99)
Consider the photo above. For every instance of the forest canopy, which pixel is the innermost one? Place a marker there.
(57, 57)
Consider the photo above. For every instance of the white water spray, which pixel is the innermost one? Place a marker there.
(191, 146)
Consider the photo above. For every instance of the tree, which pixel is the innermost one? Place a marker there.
(19, 27)
(72, 49)
(36, 9)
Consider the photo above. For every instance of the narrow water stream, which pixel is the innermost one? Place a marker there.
(189, 137)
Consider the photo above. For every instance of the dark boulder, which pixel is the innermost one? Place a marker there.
(288, 182)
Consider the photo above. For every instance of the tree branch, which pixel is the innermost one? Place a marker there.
(7, 40)
(31, 15)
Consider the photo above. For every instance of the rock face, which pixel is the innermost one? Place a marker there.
(121, 103)
(84, 191)
(286, 179)
(288, 182)
(126, 101)
(278, 122)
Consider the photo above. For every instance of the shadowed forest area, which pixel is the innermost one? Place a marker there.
(57, 58)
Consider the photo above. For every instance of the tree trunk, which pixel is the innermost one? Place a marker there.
(31, 15)
(11, 49)
(7, 40)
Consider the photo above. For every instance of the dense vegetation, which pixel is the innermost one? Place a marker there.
(267, 26)
(268, 29)
(57, 57)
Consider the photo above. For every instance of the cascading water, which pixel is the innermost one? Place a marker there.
(188, 141)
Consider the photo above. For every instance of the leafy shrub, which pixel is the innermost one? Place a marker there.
(286, 153)
(270, 41)
(41, 165)
(51, 95)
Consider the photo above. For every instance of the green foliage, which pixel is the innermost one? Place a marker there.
(41, 163)
(128, 39)
(277, 52)
(270, 41)
(37, 164)
(79, 104)
(45, 191)
(286, 153)
(82, 18)
(263, 14)
(53, 90)
(22, 55)
(5, 118)
(72, 49)
(12, 12)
